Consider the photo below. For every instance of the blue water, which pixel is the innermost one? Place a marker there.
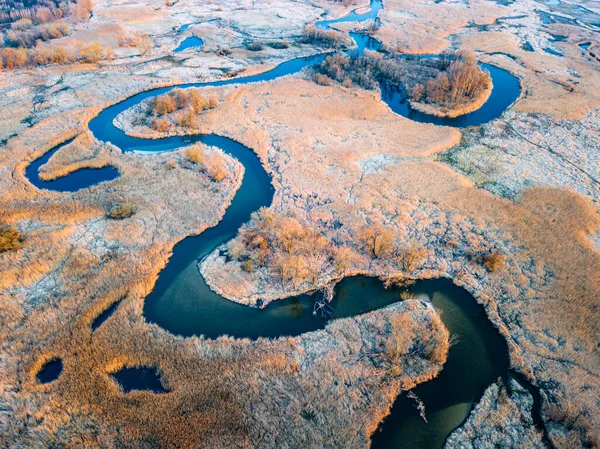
(50, 371)
(189, 42)
(80, 179)
(552, 52)
(182, 303)
(139, 378)
(505, 92)
(376, 6)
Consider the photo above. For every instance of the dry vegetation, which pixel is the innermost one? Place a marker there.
(42, 54)
(10, 238)
(460, 84)
(340, 162)
(366, 71)
(34, 24)
(177, 108)
(456, 83)
(291, 251)
(223, 393)
(213, 162)
(324, 38)
(121, 210)
(548, 263)
(43, 11)
(504, 416)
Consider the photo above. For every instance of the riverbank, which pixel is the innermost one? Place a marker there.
(362, 169)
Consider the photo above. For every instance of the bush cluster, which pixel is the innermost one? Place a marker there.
(462, 80)
(121, 210)
(188, 103)
(279, 45)
(288, 249)
(24, 34)
(326, 38)
(365, 71)
(10, 238)
(254, 46)
(213, 163)
(42, 54)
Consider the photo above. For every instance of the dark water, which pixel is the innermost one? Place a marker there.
(478, 357)
(189, 42)
(105, 315)
(139, 378)
(80, 179)
(552, 52)
(476, 360)
(182, 303)
(585, 45)
(505, 92)
(527, 46)
(50, 371)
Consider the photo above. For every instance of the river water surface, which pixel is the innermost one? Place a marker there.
(182, 302)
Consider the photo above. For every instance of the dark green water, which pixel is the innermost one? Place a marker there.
(477, 358)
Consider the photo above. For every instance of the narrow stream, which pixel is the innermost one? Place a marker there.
(182, 303)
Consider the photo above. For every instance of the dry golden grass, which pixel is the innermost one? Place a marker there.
(74, 263)
(550, 87)
(550, 272)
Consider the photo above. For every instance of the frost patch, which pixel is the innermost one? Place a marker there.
(374, 163)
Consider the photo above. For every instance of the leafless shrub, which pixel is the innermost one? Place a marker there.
(377, 241)
(215, 167)
(287, 248)
(493, 261)
(329, 38)
(195, 153)
(462, 80)
(161, 125)
(322, 80)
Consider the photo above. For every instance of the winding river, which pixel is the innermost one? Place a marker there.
(182, 302)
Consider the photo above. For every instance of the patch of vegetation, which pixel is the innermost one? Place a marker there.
(325, 38)
(453, 80)
(24, 34)
(292, 251)
(279, 45)
(255, 46)
(223, 52)
(493, 261)
(322, 79)
(43, 11)
(121, 210)
(194, 153)
(365, 71)
(34, 22)
(42, 54)
(460, 81)
(188, 103)
(10, 238)
(213, 163)
(215, 167)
